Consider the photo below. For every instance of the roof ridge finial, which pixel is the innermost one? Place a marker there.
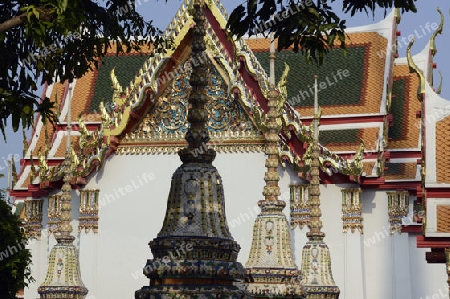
(413, 68)
(433, 47)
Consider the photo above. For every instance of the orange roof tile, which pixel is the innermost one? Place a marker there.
(442, 160)
(61, 151)
(443, 218)
(403, 171)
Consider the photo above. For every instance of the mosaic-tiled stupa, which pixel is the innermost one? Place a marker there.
(63, 278)
(271, 270)
(194, 254)
(317, 277)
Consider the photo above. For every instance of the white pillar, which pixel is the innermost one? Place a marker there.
(401, 272)
(354, 266)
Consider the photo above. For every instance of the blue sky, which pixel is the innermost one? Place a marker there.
(412, 23)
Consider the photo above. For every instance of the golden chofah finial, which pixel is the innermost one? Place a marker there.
(282, 84)
(414, 69)
(438, 31)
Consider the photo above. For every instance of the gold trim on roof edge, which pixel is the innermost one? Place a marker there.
(92, 148)
(255, 147)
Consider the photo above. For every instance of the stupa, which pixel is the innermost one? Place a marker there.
(195, 227)
(63, 280)
(317, 277)
(271, 269)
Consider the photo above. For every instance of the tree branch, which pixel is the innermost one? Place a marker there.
(13, 22)
(44, 14)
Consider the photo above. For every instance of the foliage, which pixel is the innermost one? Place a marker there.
(309, 26)
(41, 40)
(15, 273)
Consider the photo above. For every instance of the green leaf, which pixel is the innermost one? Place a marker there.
(35, 12)
(15, 121)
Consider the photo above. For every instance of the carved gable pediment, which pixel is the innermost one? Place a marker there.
(163, 128)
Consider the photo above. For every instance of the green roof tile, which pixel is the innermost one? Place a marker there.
(394, 168)
(334, 88)
(339, 136)
(398, 108)
(126, 68)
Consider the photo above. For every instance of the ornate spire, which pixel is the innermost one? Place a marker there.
(315, 223)
(194, 254)
(63, 278)
(197, 135)
(317, 279)
(270, 269)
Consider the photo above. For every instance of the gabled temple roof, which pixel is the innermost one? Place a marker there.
(357, 95)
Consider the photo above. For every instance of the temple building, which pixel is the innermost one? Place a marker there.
(354, 205)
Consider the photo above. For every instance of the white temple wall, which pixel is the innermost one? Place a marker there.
(378, 253)
(426, 279)
(132, 205)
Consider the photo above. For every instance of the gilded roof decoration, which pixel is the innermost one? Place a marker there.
(433, 47)
(414, 69)
(329, 162)
(148, 76)
(244, 135)
(91, 154)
